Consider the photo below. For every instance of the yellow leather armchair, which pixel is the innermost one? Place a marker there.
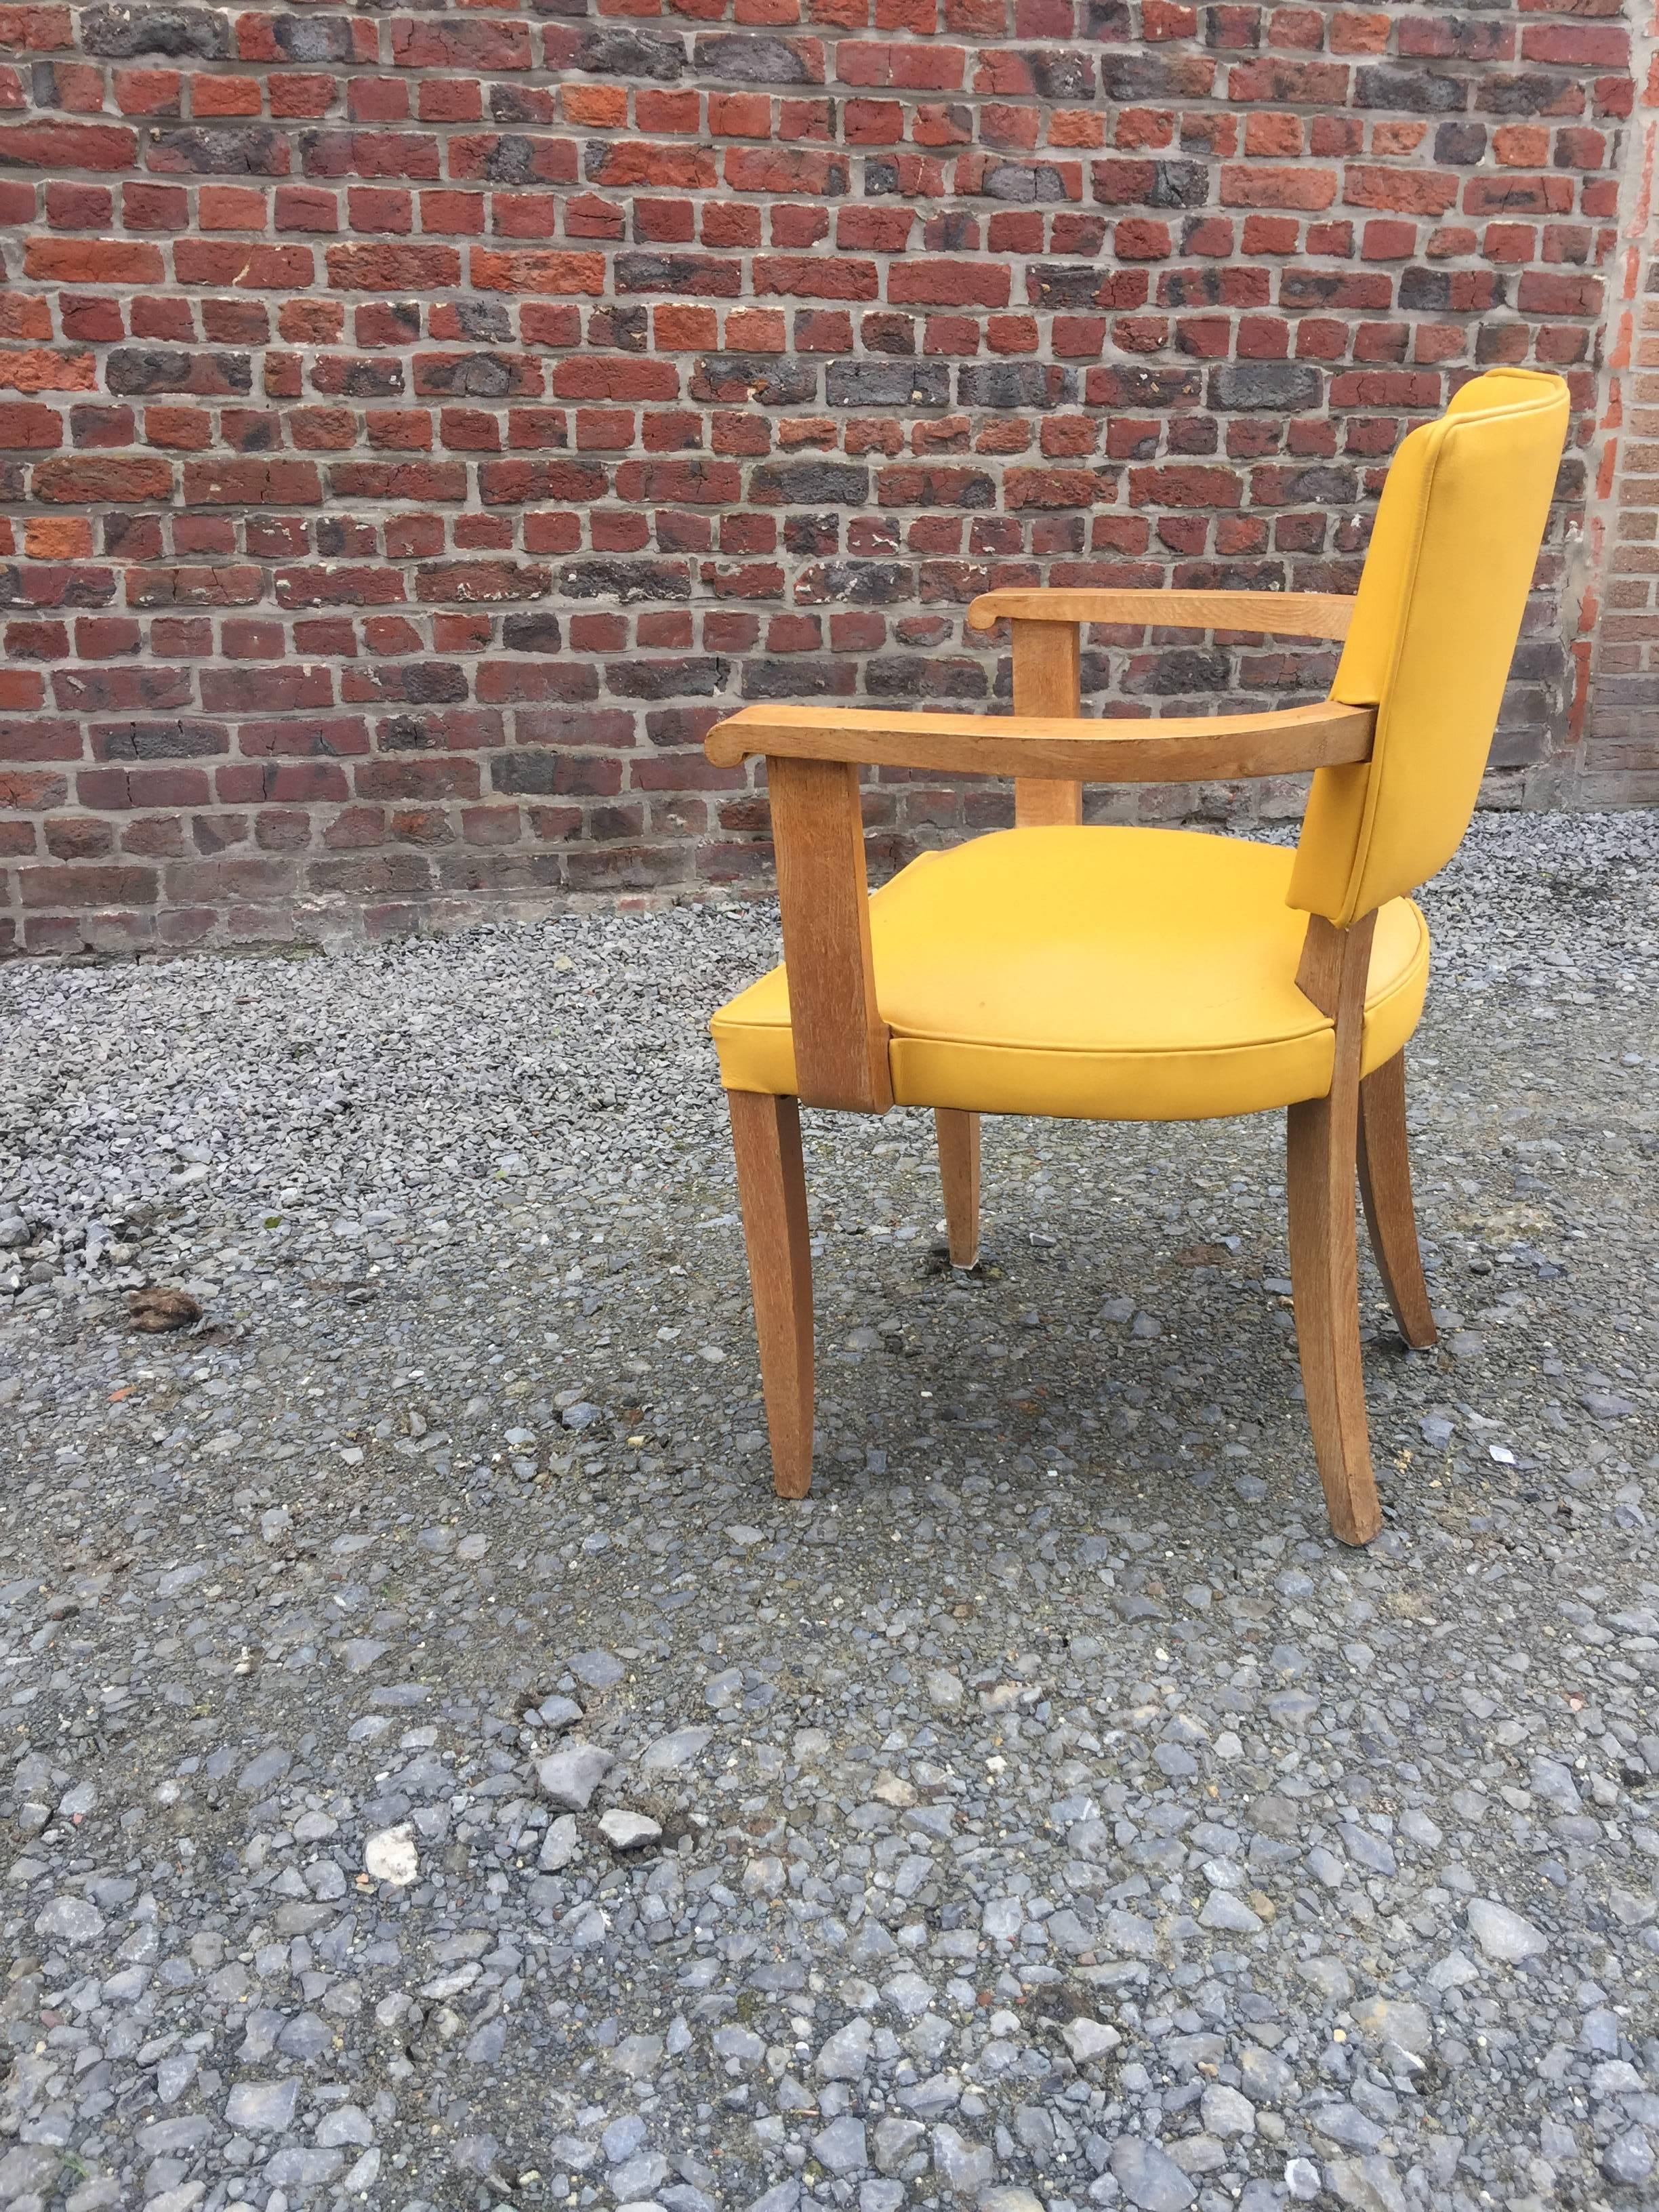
(1112, 974)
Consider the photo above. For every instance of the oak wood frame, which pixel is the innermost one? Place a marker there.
(1172, 748)
(1321, 1141)
(812, 758)
(772, 1192)
(1385, 1190)
(958, 1135)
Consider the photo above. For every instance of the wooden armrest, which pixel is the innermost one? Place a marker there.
(1172, 749)
(1275, 614)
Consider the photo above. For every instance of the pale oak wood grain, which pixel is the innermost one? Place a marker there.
(1321, 1147)
(1269, 614)
(1385, 1188)
(1172, 749)
(772, 1196)
(959, 1172)
(1046, 677)
(840, 1038)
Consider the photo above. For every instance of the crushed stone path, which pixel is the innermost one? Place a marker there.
(435, 1773)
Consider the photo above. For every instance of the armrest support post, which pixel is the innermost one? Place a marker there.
(1046, 682)
(818, 835)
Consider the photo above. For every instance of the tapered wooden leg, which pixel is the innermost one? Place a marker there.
(1385, 1185)
(959, 1172)
(1324, 1282)
(772, 1193)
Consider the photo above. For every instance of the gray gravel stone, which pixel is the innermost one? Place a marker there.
(844, 2055)
(1503, 1933)
(262, 2108)
(570, 1775)
(1088, 2040)
(1148, 2177)
(1629, 2157)
(840, 2147)
(965, 2168)
(1389, 2020)
(626, 1831)
(69, 1920)
(679, 1748)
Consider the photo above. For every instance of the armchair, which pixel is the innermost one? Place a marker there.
(1127, 974)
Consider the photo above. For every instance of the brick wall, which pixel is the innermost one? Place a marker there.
(1616, 711)
(415, 429)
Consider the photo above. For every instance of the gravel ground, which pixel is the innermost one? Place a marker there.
(439, 1773)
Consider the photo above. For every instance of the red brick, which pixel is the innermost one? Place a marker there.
(93, 261)
(525, 270)
(79, 483)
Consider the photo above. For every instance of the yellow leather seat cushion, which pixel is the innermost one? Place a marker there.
(1101, 974)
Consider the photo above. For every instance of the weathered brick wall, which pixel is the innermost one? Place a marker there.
(1616, 711)
(417, 428)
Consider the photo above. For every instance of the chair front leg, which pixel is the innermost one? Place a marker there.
(958, 1171)
(1385, 1186)
(772, 1194)
(1324, 1282)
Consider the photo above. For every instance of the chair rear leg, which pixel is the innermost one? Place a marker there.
(1385, 1185)
(772, 1193)
(1325, 1281)
(958, 1169)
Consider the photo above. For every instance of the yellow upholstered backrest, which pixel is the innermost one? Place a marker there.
(1434, 629)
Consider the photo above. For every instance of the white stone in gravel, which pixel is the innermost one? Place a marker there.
(390, 1855)
(1088, 2040)
(743, 1536)
(69, 1920)
(668, 1754)
(1302, 2179)
(560, 1844)
(629, 1832)
(1008, 2199)
(1629, 2157)
(572, 1774)
(945, 1689)
(1502, 1933)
